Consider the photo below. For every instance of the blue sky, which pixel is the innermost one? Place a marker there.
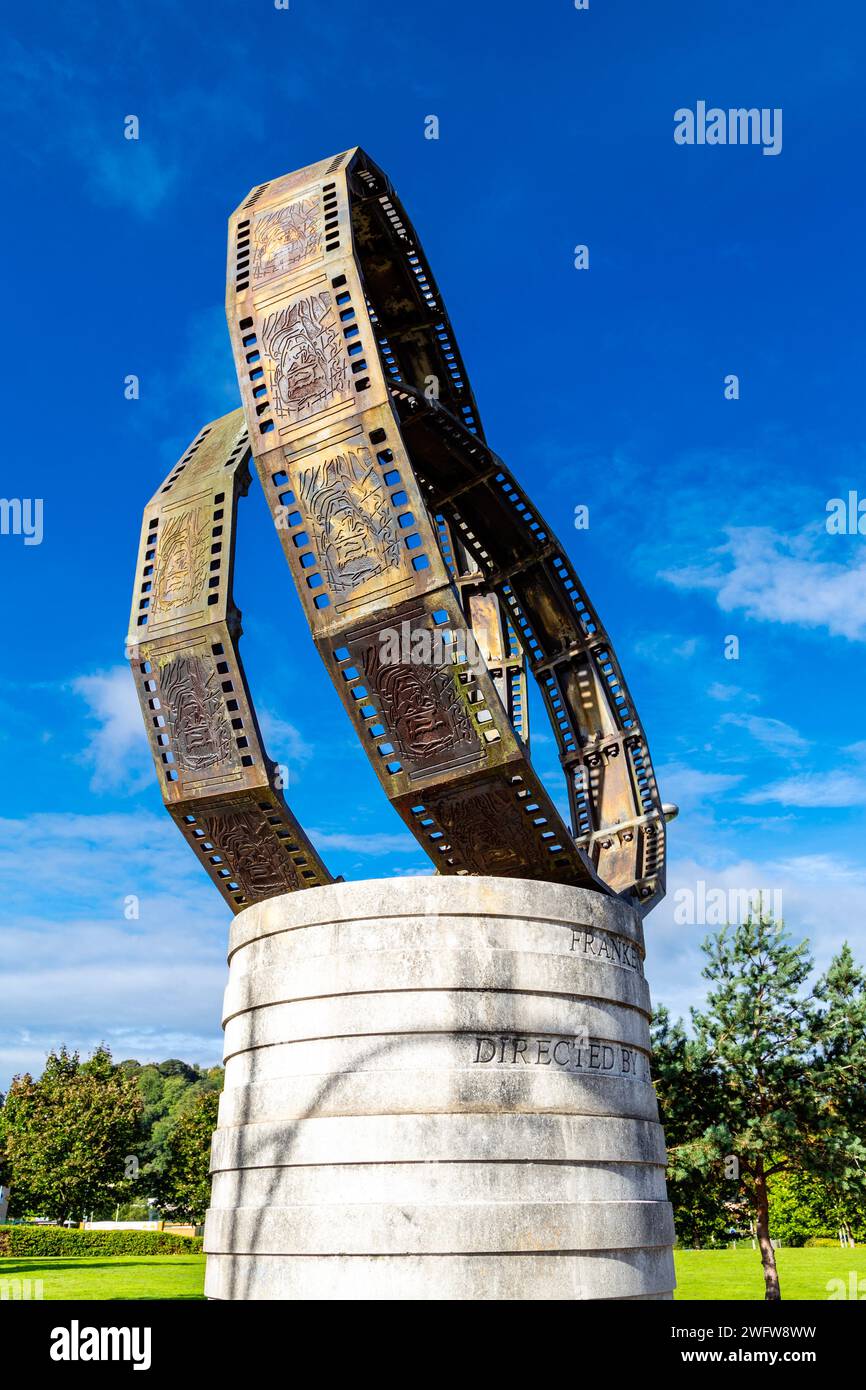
(602, 387)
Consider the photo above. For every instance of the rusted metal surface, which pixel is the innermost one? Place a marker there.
(217, 781)
(413, 549)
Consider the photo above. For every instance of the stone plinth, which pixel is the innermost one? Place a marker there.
(438, 1088)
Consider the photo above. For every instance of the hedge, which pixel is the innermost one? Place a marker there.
(61, 1240)
(824, 1242)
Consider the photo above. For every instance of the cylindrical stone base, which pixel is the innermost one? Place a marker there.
(438, 1088)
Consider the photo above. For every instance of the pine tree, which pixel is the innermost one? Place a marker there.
(785, 1069)
(686, 1085)
(841, 1060)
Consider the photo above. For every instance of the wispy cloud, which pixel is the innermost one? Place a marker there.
(129, 173)
(125, 942)
(674, 957)
(117, 747)
(374, 845)
(194, 381)
(665, 647)
(773, 734)
(814, 789)
(66, 98)
(285, 743)
(128, 943)
(85, 860)
(725, 693)
(689, 786)
(782, 579)
(79, 105)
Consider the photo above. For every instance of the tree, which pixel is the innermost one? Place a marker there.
(186, 1188)
(168, 1089)
(685, 1085)
(841, 1058)
(174, 1067)
(804, 1207)
(784, 1077)
(66, 1136)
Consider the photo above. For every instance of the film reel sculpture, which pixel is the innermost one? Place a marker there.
(404, 533)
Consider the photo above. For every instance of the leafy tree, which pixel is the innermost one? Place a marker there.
(187, 1186)
(174, 1067)
(804, 1207)
(66, 1136)
(784, 1069)
(4, 1157)
(168, 1089)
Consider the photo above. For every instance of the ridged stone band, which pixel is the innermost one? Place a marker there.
(438, 1088)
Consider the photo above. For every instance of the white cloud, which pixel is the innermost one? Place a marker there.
(85, 860)
(689, 786)
(781, 579)
(823, 868)
(117, 748)
(805, 882)
(774, 734)
(664, 646)
(725, 693)
(814, 789)
(77, 970)
(129, 173)
(29, 1052)
(373, 844)
(285, 743)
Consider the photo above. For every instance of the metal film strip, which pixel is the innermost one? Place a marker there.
(613, 796)
(394, 515)
(217, 781)
(406, 537)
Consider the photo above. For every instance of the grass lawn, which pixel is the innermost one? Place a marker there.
(109, 1276)
(701, 1274)
(708, 1274)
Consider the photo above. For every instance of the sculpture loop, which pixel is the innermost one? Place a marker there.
(429, 580)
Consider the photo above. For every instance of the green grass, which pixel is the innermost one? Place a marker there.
(110, 1276)
(701, 1274)
(736, 1274)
